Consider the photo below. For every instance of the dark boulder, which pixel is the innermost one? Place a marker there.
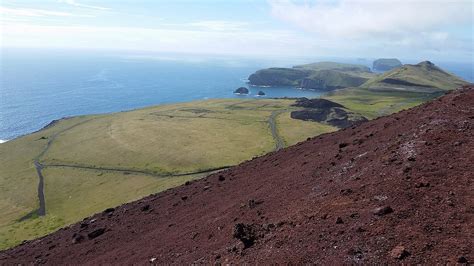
(241, 90)
(261, 93)
(96, 233)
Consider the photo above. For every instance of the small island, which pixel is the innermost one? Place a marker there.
(386, 64)
(261, 93)
(242, 91)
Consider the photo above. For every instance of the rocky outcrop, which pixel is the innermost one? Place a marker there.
(337, 117)
(261, 93)
(386, 64)
(325, 111)
(241, 90)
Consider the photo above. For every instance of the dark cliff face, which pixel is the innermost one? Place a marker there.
(313, 84)
(277, 77)
(386, 64)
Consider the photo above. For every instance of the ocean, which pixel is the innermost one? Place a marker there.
(38, 87)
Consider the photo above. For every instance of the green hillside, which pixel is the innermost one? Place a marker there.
(422, 77)
(320, 76)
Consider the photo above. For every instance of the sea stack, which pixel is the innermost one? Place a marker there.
(261, 93)
(242, 90)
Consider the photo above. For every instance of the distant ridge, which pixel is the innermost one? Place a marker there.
(422, 77)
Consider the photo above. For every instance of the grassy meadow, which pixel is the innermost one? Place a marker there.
(95, 162)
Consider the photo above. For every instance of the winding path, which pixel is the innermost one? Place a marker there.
(42, 204)
(279, 143)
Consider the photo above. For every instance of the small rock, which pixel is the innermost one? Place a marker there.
(77, 238)
(339, 220)
(462, 259)
(383, 210)
(206, 187)
(184, 198)
(84, 225)
(145, 208)
(96, 233)
(346, 191)
(422, 184)
(152, 260)
(221, 178)
(109, 210)
(247, 233)
(187, 183)
(342, 145)
(399, 252)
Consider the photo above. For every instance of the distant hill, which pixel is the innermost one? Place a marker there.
(319, 76)
(422, 77)
(334, 66)
(385, 64)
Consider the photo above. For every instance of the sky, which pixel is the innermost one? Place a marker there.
(415, 29)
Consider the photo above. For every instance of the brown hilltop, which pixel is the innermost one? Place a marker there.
(398, 189)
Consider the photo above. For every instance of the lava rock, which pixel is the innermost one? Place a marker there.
(383, 210)
(261, 93)
(399, 252)
(145, 208)
(247, 233)
(77, 238)
(96, 233)
(109, 210)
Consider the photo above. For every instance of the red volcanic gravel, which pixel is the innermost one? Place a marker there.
(398, 189)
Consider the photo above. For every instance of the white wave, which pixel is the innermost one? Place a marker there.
(3, 141)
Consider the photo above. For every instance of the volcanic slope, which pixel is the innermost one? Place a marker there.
(397, 189)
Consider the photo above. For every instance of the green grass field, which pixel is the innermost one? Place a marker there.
(95, 162)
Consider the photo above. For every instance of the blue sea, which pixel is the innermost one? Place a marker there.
(37, 87)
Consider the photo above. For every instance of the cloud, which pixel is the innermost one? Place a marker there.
(27, 12)
(253, 42)
(219, 25)
(76, 4)
(357, 19)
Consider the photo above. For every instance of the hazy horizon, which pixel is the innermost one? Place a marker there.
(410, 29)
